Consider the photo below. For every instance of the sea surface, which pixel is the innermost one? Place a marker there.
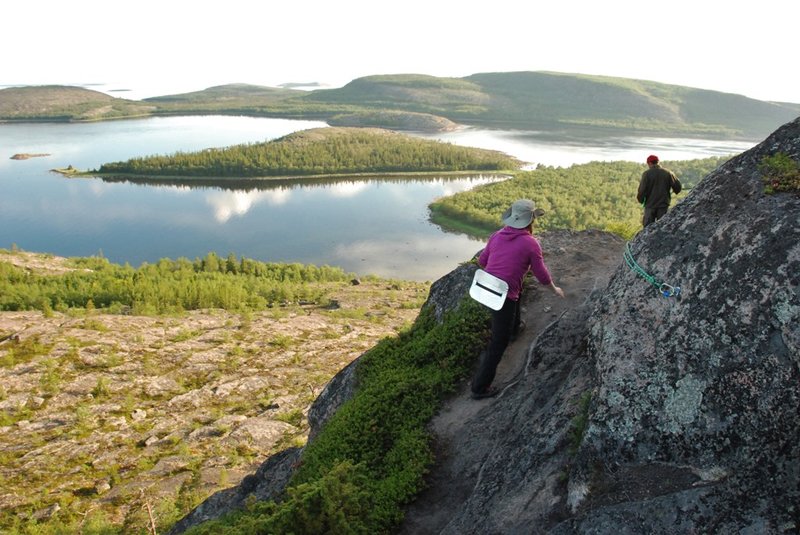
(377, 226)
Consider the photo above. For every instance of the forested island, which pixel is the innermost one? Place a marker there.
(317, 152)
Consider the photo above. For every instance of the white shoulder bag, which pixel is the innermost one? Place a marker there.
(488, 290)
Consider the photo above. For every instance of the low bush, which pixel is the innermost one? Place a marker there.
(780, 173)
(371, 457)
(166, 287)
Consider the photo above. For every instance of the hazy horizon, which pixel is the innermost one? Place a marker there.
(732, 48)
(133, 91)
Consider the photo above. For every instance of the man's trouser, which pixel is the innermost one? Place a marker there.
(651, 215)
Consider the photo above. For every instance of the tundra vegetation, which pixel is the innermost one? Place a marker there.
(123, 388)
(168, 286)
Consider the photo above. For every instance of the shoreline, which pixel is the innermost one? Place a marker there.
(216, 180)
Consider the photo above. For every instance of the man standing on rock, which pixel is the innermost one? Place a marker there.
(510, 254)
(654, 190)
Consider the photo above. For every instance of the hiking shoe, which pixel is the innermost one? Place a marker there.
(488, 392)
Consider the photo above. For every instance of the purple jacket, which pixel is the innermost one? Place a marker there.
(509, 254)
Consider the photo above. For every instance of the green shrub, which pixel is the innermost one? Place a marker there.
(624, 229)
(337, 502)
(579, 423)
(20, 351)
(779, 173)
(293, 417)
(102, 388)
(170, 286)
(371, 456)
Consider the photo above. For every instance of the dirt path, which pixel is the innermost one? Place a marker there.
(579, 262)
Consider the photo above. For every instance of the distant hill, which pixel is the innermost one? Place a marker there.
(542, 100)
(227, 96)
(513, 100)
(66, 103)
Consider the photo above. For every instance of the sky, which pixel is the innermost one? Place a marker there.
(167, 46)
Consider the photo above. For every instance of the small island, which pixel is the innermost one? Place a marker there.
(66, 171)
(25, 156)
(319, 152)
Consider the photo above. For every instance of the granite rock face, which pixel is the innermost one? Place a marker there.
(706, 382)
(691, 421)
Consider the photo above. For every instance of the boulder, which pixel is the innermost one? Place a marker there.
(705, 383)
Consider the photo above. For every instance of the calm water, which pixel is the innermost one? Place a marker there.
(370, 226)
(563, 150)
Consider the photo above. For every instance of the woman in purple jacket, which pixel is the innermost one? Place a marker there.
(510, 254)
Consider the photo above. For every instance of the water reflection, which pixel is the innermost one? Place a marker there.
(563, 149)
(375, 225)
(227, 204)
(340, 185)
(427, 257)
(367, 226)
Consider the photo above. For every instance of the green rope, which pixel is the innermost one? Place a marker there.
(665, 289)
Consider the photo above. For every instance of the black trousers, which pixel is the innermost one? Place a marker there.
(651, 215)
(505, 323)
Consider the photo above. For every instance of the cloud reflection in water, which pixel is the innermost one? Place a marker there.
(229, 203)
(422, 258)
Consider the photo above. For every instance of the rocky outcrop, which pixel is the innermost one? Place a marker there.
(704, 385)
(660, 414)
(274, 474)
(266, 484)
(634, 412)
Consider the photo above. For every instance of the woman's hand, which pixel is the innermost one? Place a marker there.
(556, 290)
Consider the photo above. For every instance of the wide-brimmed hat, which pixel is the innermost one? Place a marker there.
(521, 213)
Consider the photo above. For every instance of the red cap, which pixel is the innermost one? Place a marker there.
(652, 159)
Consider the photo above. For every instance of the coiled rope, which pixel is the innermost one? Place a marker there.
(663, 288)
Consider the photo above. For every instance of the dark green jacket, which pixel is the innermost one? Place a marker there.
(655, 187)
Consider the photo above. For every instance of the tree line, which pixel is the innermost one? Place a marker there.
(168, 286)
(600, 195)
